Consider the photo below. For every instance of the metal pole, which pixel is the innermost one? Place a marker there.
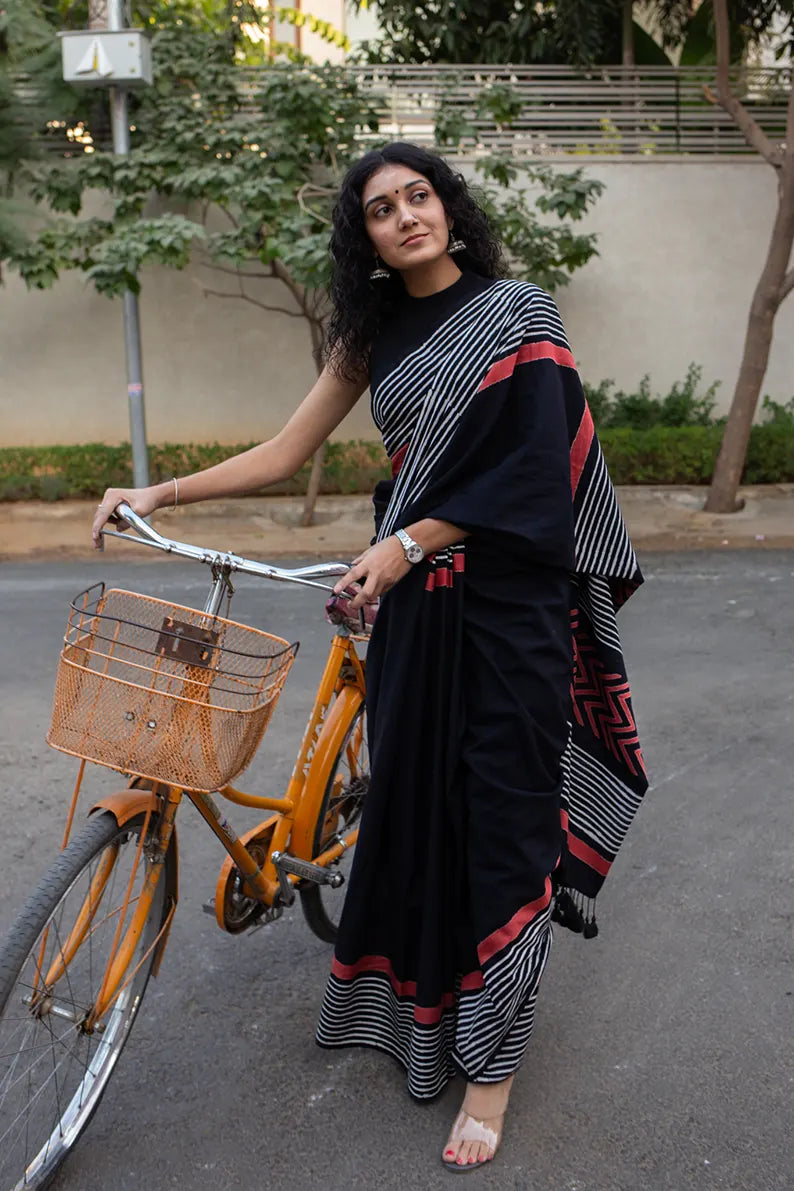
(132, 331)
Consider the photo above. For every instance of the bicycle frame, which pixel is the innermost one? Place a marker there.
(289, 829)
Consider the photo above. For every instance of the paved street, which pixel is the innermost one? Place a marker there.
(663, 1057)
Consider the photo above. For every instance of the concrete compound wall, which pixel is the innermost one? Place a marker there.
(681, 246)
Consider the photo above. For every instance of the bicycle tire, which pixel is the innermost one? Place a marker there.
(39, 921)
(317, 900)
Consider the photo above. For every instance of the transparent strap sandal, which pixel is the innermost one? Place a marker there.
(470, 1129)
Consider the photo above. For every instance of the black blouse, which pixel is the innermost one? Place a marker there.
(416, 319)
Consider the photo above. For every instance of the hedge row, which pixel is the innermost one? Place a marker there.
(658, 455)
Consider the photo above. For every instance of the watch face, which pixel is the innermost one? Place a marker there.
(415, 553)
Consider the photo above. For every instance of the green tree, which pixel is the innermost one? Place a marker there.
(240, 170)
(493, 31)
(568, 32)
(777, 275)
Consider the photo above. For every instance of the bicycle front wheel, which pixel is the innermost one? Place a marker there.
(340, 810)
(55, 1062)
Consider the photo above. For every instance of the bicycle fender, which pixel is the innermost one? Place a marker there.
(333, 732)
(125, 805)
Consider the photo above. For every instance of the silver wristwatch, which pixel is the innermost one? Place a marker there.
(412, 550)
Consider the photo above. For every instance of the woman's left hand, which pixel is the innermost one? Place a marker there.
(375, 571)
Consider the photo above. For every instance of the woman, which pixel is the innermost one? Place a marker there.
(505, 761)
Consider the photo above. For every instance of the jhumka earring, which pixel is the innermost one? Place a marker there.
(455, 245)
(380, 272)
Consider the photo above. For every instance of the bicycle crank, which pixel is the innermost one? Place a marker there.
(304, 870)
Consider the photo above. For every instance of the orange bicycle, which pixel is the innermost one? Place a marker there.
(178, 700)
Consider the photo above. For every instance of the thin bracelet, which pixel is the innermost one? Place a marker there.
(176, 493)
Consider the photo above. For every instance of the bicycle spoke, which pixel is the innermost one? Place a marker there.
(5, 1090)
(22, 1129)
(57, 1097)
(52, 1070)
(43, 1046)
(39, 1046)
(65, 963)
(31, 1101)
(27, 1129)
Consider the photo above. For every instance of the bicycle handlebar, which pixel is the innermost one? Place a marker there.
(147, 536)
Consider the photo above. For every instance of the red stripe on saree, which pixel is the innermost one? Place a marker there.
(583, 851)
(426, 1014)
(581, 448)
(397, 460)
(512, 929)
(528, 353)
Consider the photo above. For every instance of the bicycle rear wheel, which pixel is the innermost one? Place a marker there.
(340, 810)
(54, 1066)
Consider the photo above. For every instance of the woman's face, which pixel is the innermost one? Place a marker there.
(404, 218)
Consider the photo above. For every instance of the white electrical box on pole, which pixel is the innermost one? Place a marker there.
(118, 58)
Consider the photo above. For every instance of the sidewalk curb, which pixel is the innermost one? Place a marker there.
(658, 519)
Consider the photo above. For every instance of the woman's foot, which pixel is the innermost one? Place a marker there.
(477, 1130)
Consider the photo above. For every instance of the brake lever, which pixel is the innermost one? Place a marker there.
(117, 520)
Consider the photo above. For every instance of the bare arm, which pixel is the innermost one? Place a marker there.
(384, 564)
(432, 534)
(329, 400)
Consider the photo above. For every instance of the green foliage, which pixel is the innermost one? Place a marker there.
(270, 160)
(580, 33)
(672, 439)
(777, 413)
(495, 31)
(266, 153)
(661, 454)
(682, 406)
(749, 21)
(655, 455)
(84, 471)
(546, 251)
(686, 454)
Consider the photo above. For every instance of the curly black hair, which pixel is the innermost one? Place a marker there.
(360, 306)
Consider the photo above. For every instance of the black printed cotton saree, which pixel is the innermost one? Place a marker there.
(506, 766)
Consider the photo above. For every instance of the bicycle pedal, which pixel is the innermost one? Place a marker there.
(270, 915)
(209, 907)
(305, 871)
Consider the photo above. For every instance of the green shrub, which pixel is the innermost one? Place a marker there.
(770, 456)
(647, 439)
(682, 406)
(661, 454)
(84, 471)
(778, 414)
(654, 455)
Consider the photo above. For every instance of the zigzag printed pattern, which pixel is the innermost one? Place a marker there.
(602, 701)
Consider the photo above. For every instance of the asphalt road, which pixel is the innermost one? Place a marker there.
(662, 1058)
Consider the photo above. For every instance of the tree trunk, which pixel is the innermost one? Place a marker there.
(318, 462)
(773, 285)
(628, 32)
(757, 343)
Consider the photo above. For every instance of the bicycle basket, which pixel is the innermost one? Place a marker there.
(162, 691)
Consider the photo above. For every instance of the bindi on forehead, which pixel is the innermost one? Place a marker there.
(408, 186)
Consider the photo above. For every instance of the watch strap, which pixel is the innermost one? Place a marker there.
(410, 547)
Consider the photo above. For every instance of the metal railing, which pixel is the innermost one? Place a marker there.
(610, 110)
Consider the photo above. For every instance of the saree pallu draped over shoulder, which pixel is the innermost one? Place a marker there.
(506, 766)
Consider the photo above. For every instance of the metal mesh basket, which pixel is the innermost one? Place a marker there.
(165, 692)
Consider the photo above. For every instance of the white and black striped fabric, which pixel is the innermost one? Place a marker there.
(503, 349)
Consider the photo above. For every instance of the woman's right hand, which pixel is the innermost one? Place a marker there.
(142, 501)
